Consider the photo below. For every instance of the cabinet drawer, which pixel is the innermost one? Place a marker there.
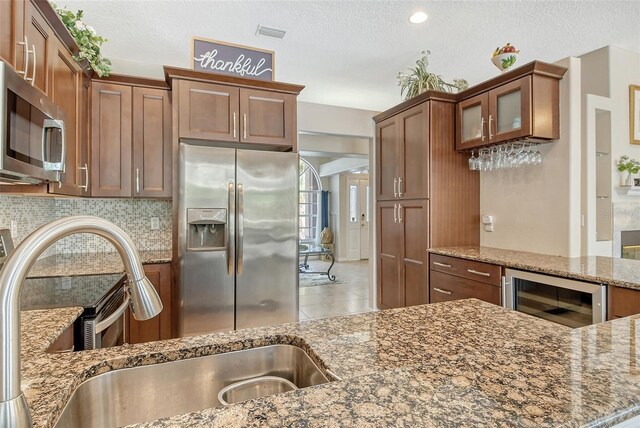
(477, 271)
(623, 302)
(443, 288)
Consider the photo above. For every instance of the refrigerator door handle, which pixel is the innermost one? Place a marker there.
(240, 228)
(231, 201)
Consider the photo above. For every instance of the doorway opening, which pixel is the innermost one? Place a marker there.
(335, 210)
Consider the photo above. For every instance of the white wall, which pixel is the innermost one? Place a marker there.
(333, 120)
(606, 76)
(536, 208)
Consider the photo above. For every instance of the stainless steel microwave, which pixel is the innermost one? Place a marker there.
(31, 132)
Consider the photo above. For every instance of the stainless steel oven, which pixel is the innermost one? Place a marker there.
(564, 301)
(104, 325)
(32, 138)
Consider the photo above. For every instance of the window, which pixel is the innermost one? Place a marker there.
(309, 210)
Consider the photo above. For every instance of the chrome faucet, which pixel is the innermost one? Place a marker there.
(142, 298)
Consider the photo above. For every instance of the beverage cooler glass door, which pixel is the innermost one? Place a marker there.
(567, 302)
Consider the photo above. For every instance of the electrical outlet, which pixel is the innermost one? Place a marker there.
(155, 223)
(66, 283)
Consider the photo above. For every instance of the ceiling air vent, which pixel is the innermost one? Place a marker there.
(270, 32)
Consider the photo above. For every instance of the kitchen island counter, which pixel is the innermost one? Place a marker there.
(461, 363)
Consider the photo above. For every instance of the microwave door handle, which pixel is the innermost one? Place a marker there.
(106, 323)
(55, 166)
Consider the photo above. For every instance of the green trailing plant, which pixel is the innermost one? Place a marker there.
(629, 165)
(87, 39)
(418, 80)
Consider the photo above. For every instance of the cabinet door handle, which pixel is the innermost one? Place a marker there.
(235, 127)
(395, 187)
(137, 180)
(32, 79)
(482, 129)
(25, 51)
(440, 290)
(395, 213)
(490, 120)
(478, 273)
(400, 186)
(85, 186)
(400, 207)
(442, 264)
(245, 125)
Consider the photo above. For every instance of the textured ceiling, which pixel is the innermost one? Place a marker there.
(348, 53)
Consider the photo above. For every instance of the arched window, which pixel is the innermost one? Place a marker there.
(309, 209)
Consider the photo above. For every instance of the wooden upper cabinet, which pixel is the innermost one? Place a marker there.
(158, 327)
(510, 111)
(84, 137)
(7, 32)
(208, 111)
(66, 83)
(413, 164)
(267, 117)
(471, 117)
(387, 159)
(40, 43)
(111, 140)
(521, 104)
(151, 143)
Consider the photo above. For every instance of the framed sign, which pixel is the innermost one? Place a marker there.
(634, 114)
(235, 60)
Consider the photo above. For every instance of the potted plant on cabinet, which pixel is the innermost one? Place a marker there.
(631, 167)
(88, 41)
(418, 80)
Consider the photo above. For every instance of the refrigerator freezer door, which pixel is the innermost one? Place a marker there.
(206, 274)
(267, 238)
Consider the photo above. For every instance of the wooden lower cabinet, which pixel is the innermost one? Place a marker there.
(159, 327)
(443, 288)
(452, 278)
(402, 256)
(623, 302)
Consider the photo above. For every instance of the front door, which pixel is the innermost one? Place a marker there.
(357, 218)
(363, 186)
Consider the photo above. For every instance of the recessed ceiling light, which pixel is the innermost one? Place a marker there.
(418, 17)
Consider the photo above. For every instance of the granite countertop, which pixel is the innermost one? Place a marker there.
(90, 263)
(605, 270)
(460, 363)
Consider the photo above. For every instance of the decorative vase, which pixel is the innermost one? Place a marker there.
(629, 181)
(326, 236)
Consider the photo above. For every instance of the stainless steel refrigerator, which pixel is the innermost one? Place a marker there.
(238, 238)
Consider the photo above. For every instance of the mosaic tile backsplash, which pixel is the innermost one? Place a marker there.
(132, 215)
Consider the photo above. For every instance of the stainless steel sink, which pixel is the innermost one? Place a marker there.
(140, 394)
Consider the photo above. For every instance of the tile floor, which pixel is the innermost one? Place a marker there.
(350, 297)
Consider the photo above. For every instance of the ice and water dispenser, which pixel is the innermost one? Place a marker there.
(207, 229)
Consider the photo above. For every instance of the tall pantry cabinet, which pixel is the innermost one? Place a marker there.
(426, 196)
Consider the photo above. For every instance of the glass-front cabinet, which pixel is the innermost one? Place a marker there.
(510, 111)
(472, 117)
